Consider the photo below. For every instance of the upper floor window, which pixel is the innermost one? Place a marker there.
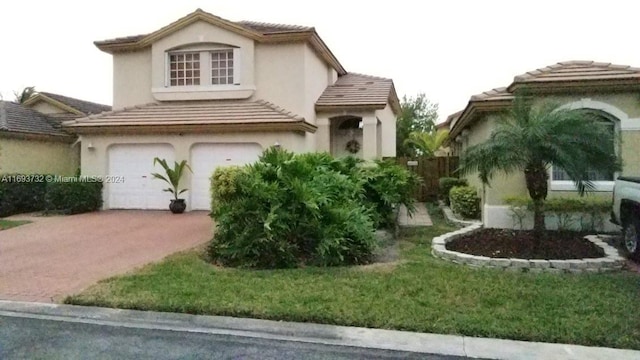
(222, 67)
(205, 66)
(184, 69)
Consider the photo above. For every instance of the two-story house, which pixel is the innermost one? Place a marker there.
(217, 92)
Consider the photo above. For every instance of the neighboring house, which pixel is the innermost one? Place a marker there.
(610, 91)
(33, 143)
(31, 138)
(216, 92)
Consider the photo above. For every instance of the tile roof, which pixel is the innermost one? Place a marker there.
(86, 107)
(500, 93)
(263, 28)
(268, 28)
(579, 70)
(218, 112)
(357, 90)
(20, 119)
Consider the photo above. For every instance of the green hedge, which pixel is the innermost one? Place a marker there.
(22, 193)
(465, 201)
(445, 186)
(74, 196)
(291, 210)
(584, 213)
(38, 192)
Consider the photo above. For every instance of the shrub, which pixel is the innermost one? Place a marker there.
(288, 210)
(73, 196)
(224, 184)
(584, 213)
(445, 186)
(387, 185)
(21, 193)
(465, 201)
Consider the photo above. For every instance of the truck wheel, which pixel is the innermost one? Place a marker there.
(631, 238)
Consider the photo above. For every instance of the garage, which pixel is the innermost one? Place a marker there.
(134, 164)
(206, 157)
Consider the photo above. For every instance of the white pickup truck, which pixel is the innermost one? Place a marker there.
(626, 212)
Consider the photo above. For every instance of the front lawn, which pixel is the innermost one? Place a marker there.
(8, 224)
(419, 293)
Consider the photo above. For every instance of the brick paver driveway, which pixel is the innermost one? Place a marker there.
(56, 256)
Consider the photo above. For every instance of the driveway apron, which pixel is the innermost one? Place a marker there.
(53, 257)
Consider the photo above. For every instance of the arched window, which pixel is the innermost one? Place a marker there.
(560, 180)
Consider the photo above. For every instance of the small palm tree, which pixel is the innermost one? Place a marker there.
(25, 94)
(531, 139)
(173, 176)
(427, 143)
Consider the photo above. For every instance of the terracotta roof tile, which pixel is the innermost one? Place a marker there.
(357, 90)
(192, 113)
(267, 28)
(578, 70)
(500, 93)
(18, 118)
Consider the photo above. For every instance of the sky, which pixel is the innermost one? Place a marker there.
(447, 49)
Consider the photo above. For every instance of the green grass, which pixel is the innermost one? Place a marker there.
(8, 224)
(420, 293)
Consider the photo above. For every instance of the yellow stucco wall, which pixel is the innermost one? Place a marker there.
(31, 156)
(624, 106)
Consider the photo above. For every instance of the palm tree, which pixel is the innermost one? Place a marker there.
(427, 143)
(25, 94)
(531, 139)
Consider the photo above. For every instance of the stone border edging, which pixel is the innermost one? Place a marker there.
(451, 217)
(612, 261)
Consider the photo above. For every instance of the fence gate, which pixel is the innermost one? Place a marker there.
(430, 169)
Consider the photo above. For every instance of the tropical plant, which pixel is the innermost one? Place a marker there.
(417, 114)
(25, 94)
(173, 176)
(531, 139)
(427, 143)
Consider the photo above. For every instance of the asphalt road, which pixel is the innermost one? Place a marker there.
(28, 338)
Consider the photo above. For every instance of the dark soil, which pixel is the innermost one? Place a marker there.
(554, 245)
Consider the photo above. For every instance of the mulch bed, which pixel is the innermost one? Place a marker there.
(499, 243)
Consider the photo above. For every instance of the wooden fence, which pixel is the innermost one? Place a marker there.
(430, 169)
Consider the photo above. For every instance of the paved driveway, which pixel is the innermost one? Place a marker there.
(57, 256)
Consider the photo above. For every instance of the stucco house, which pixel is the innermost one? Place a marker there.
(610, 91)
(217, 92)
(31, 138)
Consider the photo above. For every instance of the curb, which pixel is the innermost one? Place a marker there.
(314, 333)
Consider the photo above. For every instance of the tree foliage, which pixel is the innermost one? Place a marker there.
(427, 143)
(25, 94)
(530, 139)
(418, 115)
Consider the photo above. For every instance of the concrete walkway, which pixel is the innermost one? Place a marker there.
(421, 343)
(419, 218)
(56, 256)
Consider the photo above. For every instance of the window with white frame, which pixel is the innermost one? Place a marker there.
(203, 67)
(184, 69)
(222, 67)
(560, 180)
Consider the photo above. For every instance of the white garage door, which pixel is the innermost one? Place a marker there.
(134, 163)
(205, 158)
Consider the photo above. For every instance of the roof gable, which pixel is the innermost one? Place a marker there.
(257, 31)
(68, 104)
(359, 90)
(563, 77)
(16, 118)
